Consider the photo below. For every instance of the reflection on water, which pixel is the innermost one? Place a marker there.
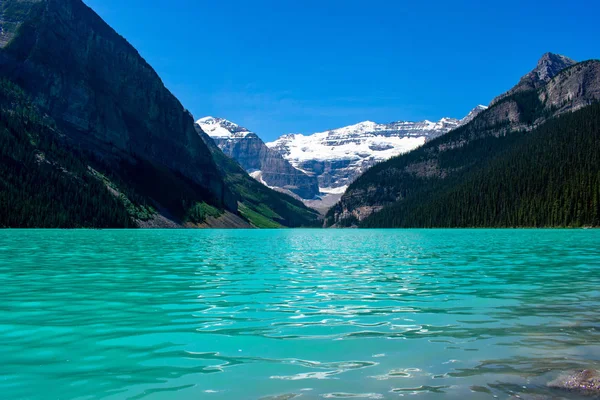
(296, 313)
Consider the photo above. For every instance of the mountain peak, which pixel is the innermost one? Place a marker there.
(550, 64)
(548, 56)
(547, 68)
(262, 163)
(472, 114)
(216, 121)
(338, 156)
(221, 128)
(207, 119)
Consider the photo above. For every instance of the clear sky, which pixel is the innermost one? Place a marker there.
(304, 66)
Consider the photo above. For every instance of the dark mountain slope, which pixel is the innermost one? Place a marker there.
(262, 206)
(548, 177)
(44, 183)
(105, 101)
(100, 92)
(424, 174)
(47, 181)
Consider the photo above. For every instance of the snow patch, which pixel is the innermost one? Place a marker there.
(366, 140)
(221, 128)
(334, 190)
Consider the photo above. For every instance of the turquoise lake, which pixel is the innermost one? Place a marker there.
(307, 314)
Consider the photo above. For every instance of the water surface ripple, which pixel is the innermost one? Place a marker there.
(308, 314)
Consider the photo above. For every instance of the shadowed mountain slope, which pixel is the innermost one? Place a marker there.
(104, 101)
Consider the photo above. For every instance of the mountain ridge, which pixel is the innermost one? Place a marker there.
(548, 66)
(339, 156)
(272, 165)
(261, 162)
(419, 176)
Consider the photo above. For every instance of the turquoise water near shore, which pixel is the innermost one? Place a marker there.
(252, 314)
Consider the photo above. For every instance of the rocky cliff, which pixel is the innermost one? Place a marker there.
(548, 66)
(572, 89)
(261, 162)
(260, 205)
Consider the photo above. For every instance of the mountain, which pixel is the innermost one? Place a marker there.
(547, 68)
(339, 156)
(258, 204)
(88, 114)
(45, 185)
(471, 116)
(264, 164)
(530, 159)
(545, 178)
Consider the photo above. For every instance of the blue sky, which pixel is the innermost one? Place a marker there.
(306, 66)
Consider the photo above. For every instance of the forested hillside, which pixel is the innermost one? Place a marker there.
(43, 182)
(525, 161)
(546, 178)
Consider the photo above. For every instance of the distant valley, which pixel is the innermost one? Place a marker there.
(318, 168)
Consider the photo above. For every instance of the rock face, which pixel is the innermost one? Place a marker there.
(261, 206)
(586, 382)
(100, 91)
(542, 94)
(337, 157)
(547, 68)
(574, 88)
(262, 163)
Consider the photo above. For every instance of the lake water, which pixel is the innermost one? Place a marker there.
(279, 314)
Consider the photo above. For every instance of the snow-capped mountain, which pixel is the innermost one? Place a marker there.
(339, 156)
(220, 128)
(471, 116)
(265, 165)
(318, 168)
